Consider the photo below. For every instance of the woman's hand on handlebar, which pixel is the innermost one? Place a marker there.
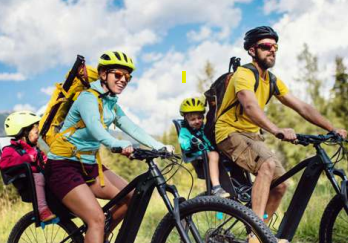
(170, 148)
(127, 151)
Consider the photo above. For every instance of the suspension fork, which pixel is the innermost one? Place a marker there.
(175, 212)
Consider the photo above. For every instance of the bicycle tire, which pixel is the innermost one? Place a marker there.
(334, 222)
(210, 207)
(26, 231)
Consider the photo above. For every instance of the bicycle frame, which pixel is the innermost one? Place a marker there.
(143, 186)
(314, 166)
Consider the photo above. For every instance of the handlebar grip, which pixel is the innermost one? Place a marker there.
(117, 150)
(280, 136)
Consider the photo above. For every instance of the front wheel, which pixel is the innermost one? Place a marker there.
(213, 219)
(25, 231)
(334, 223)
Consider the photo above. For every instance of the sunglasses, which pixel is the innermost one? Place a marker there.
(119, 74)
(267, 46)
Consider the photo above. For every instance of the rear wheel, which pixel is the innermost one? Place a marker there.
(25, 231)
(334, 223)
(214, 219)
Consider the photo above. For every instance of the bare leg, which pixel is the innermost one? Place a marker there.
(261, 187)
(113, 185)
(214, 167)
(82, 202)
(275, 197)
(40, 191)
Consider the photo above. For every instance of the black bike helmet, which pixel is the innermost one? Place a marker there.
(258, 33)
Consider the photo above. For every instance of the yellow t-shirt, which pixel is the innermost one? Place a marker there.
(232, 120)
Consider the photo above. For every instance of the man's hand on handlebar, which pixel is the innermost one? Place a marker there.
(341, 132)
(286, 134)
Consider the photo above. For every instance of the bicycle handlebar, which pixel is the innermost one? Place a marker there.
(142, 154)
(305, 139)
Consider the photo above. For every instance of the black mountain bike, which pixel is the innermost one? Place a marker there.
(334, 222)
(202, 219)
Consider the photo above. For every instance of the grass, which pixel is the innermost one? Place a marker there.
(307, 232)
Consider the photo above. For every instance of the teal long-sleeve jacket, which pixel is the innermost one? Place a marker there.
(94, 134)
(185, 141)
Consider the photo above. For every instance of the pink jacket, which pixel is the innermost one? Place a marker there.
(11, 157)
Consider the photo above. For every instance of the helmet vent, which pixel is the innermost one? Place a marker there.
(105, 57)
(125, 57)
(118, 55)
(193, 102)
(7, 125)
(187, 102)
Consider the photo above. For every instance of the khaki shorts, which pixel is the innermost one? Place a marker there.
(249, 151)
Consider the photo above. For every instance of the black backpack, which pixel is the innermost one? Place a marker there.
(215, 94)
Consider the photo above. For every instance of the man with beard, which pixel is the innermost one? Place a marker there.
(238, 129)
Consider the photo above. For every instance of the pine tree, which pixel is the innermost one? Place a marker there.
(340, 93)
(207, 78)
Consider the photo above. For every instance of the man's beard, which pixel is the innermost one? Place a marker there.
(265, 63)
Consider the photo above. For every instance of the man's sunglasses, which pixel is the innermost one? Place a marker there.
(119, 74)
(267, 46)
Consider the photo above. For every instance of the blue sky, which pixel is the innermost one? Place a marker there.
(39, 41)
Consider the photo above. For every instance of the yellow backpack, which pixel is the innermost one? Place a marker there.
(58, 107)
(77, 80)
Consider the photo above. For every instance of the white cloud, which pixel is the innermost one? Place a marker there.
(48, 90)
(24, 107)
(204, 33)
(52, 32)
(322, 27)
(151, 57)
(11, 76)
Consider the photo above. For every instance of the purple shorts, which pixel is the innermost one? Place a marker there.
(64, 175)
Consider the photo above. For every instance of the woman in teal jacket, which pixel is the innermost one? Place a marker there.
(74, 176)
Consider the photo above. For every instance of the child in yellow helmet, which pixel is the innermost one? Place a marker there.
(193, 141)
(23, 126)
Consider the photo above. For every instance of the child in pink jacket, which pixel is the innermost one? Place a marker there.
(23, 126)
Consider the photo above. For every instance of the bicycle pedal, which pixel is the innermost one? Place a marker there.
(52, 221)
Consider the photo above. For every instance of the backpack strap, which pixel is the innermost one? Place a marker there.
(273, 88)
(18, 149)
(66, 149)
(251, 67)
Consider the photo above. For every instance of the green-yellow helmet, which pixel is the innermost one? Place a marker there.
(191, 105)
(116, 59)
(17, 121)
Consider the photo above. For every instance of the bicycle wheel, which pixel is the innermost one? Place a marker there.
(334, 223)
(214, 220)
(25, 231)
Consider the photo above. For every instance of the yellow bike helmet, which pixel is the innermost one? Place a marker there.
(17, 121)
(116, 59)
(191, 105)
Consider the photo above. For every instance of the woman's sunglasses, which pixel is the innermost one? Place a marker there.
(119, 74)
(267, 46)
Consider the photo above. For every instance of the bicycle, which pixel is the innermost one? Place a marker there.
(334, 222)
(202, 219)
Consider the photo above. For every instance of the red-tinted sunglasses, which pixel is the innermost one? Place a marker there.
(119, 74)
(267, 46)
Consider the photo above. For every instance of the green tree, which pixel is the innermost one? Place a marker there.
(207, 78)
(309, 75)
(340, 93)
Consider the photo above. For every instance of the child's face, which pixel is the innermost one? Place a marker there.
(34, 134)
(195, 120)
